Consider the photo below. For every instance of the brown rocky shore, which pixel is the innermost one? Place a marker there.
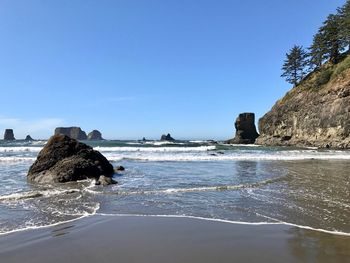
(311, 114)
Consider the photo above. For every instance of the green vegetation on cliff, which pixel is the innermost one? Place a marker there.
(326, 57)
(316, 111)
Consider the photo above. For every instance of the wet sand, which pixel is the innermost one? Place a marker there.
(158, 239)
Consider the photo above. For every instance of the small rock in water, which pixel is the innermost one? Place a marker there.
(167, 137)
(28, 138)
(119, 168)
(104, 180)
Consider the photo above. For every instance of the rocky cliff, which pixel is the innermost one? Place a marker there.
(314, 113)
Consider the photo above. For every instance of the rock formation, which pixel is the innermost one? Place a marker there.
(167, 137)
(64, 159)
(8, 135)
(95, 135)
(119, 168)
(104, 180)
(317, 116)
(245, 129)
(73, 132)
(28, 138)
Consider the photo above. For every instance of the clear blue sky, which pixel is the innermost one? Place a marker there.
(136, 69)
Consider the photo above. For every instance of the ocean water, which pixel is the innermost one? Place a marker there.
(307, 188)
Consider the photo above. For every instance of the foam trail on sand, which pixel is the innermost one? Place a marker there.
(86, 214)
(235, 222)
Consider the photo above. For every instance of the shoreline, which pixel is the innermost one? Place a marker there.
(127, 238)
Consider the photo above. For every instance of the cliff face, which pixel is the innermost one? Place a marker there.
(311, 115)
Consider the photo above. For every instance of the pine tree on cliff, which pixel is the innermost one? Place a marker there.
(344, 14)
(333, 41)
(294, 66)
(317, 51)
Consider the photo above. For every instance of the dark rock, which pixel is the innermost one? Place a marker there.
(119, 168)
(245, 129)
(8, 135)
(64, 159)
(95, 135)
(73, 132)
(167, 137)
(28, 138)
(104, 180)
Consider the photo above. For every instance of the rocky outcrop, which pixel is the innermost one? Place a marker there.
(310, 116)
(8, 135)
(28, 138)
(104, 180)
(64, 159)
(95, 135)
(245, 129)
(167, 137)
(73, 132)
(119, 168)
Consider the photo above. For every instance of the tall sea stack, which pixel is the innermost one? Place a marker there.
(245, 129)
(8, 135)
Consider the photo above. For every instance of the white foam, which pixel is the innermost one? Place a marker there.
(34, 194)
(20, 149)
(154, 156)
(11, 159)
(86, 214)
(155, 149)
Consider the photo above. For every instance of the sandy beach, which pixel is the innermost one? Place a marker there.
(166, 239)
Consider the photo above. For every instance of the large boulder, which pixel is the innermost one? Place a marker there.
(64, 159)
(167, 137)
(245, 129)
(73, 132)
(95, 135)
(8, 135)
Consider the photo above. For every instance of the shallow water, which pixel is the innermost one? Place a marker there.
(248, 184)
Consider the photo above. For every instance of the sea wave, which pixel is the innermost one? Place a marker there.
(20, 149)
(155, 149)
(190, 189)
(35, 194)
(9, 160)
(219, 156)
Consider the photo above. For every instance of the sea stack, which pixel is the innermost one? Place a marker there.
(28, 138)
(8, 135)
(95, 135)
(72, 132)
(167, 137)
(245, 129)
(64, 159)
